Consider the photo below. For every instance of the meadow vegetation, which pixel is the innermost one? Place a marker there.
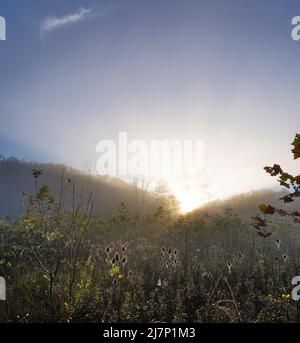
(72, 265)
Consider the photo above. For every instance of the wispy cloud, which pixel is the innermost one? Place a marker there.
(53, 23)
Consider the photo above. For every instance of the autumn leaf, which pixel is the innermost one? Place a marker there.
(284, 184)
(282, 213)
(292, 183)
(287, 198)
(296, 145)
(259, 222)
(264, 234)
(296, 152)
(297, 179)
(286, 176)
(274, 171)
(267, 209)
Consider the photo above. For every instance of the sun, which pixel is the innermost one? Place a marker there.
(191, 191)
(189, 202)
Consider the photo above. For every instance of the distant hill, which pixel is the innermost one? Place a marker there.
(246, 205)
(16, 178)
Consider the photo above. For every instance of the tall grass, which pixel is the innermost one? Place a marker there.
(72, 266)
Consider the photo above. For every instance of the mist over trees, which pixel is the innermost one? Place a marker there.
(17, 183)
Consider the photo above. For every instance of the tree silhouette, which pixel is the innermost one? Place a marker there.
(291, 183)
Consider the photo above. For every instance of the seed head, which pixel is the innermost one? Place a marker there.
(124, 260)
(278, 243)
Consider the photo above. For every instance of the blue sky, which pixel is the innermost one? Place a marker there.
(223, 71)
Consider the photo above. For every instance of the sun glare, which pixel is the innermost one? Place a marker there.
(191, 191)
(189, 202)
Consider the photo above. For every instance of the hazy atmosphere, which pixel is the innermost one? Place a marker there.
(96, 226)
(222, 72)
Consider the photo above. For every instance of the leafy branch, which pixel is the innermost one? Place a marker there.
(291, 183)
